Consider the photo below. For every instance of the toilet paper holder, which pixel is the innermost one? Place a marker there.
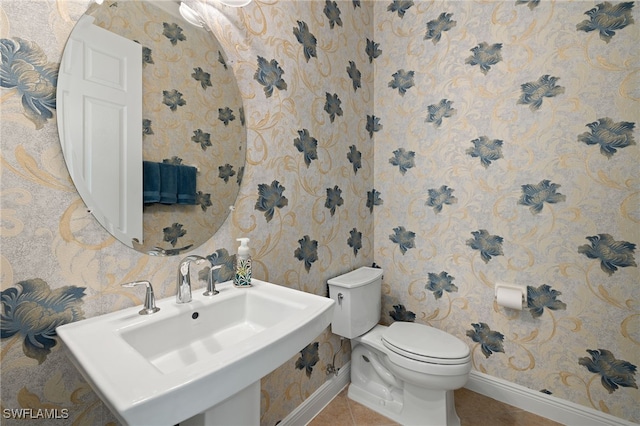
(521, 289)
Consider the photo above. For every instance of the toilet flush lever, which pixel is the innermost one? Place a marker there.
(340, 297)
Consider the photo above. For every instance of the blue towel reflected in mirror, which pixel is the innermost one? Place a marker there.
(168, 183)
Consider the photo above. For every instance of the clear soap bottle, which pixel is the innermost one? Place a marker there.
(242, 277)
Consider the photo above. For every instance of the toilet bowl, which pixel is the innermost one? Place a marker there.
(406, 371)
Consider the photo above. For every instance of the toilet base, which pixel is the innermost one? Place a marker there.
(425, 409)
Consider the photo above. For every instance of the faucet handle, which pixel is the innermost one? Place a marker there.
(149, 299)
(211, 282)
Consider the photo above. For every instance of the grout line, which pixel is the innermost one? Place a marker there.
(353, 418)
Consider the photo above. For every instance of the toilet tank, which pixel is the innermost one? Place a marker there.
(358, 296)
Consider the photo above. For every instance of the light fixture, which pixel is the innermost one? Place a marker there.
(190, 15)
(235, 3)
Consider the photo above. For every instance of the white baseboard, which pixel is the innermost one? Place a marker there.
(549, 406)
(311, 406)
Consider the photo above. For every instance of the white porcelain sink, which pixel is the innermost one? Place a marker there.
(169, 366)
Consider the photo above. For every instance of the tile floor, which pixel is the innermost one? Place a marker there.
(473, 409)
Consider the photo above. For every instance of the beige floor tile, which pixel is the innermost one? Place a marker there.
(472, 408)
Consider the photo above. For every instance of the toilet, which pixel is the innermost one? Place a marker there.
(406, 371)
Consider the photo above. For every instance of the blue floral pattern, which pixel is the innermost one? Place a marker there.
(400, 313)
(226, 115)
(534, 92)
(403, 159)
(307, 145)
(307, 252)
(32, 310)
(439, 197)
(173, 232)
(532, 4)
(269, 74)
(403, 238)
(436, 27)
(490, 341)
(332, 106)
(201, 138)
(607, 18)
(226, 261)
(610, 135)
(25, 68)
(485, 55)
(334, 199)
(614, 372)
(147, 129)
(355, 240)
(612, 254)
(306, 39)
(543, 297)
(439, 283)
(400, 6)
(204, 78)
(332, 12)
(355, 75)
(488, 245)
(372, 50)
(486, 150)
(373, 125)
(355, 158)
(203, 200)
(373, 199)
(535, 195)
(173, 32)
(270, 197)
(437, 112)
(402, 80)
(226, 172)
(308, 358)
(173, 99)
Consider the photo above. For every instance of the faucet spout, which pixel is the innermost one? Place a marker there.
(183, 293)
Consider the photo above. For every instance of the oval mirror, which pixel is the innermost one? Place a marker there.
(151, 125)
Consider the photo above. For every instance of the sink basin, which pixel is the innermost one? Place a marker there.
(186, 358)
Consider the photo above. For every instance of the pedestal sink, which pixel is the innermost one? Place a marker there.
(204, 358)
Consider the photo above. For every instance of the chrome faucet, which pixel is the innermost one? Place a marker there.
(211, 282)
(183, 294)
(149, 299)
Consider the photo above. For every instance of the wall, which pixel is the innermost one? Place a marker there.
(506, 151)
(439, 265)
(303, 200)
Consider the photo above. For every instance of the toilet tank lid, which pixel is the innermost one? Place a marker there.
(356, 278)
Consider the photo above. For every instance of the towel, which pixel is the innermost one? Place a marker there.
(168, 183)
(150, 182)
(187, 184)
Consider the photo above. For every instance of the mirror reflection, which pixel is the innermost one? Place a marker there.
(192, 122)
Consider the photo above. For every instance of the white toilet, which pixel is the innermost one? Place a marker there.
(407, 371)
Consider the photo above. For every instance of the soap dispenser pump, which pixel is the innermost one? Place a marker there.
(242, 277)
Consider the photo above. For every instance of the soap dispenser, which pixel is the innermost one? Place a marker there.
(242, 277)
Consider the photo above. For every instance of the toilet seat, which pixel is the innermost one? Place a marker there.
(425, 344)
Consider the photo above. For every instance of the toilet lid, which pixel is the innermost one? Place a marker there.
(424, 343)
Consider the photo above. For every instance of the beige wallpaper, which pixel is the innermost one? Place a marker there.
(505, 149)
(508, 152)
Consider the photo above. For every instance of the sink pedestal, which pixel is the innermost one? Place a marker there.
(243, 408)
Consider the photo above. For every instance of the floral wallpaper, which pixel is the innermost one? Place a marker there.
(454, 144)
(506, 150)
(187, 120)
